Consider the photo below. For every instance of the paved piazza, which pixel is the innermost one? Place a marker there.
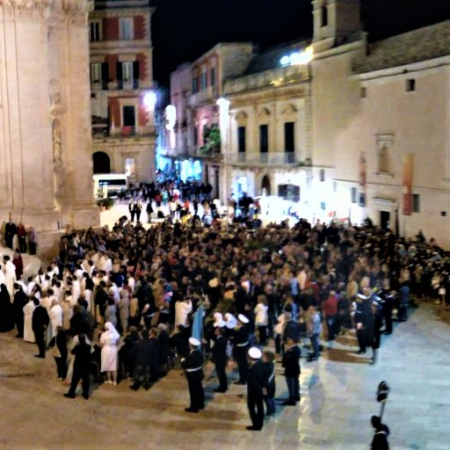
(338, 398)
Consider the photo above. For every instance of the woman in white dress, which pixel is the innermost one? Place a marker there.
(109, 341)
(28, 333)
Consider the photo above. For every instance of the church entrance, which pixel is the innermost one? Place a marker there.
(102, 163)
(265, 185)
(385, 220)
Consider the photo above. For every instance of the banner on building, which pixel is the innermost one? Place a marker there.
(407, 184)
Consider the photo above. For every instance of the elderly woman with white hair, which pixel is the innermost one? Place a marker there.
(109, 341)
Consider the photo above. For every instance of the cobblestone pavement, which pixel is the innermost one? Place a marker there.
(338, 398)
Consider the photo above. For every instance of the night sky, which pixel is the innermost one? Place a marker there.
(184, 29)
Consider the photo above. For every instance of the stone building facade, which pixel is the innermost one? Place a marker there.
(122, 91)
(45, 138)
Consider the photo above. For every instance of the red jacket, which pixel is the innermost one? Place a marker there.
(330, 306)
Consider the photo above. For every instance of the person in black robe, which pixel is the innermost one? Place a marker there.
(20, 300)
(6, 310)
(40, 323)
(10, 231)
(81, 367)
(380, 438)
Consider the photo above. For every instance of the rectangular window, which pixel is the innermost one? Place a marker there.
(195, 135)
(242, 144)
(96, 72)
(213, 76)
(126, 29)
(95, 31)
(127, 72)
(354, 194)
(322, 175)
(416, 203)
(129, 116)
(410, 85)
(289, 137)
(363, 92)
(203, 81)
(194, 85)
(289, 192)
(264, 139)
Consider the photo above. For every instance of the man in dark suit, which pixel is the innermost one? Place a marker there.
(10, 231)
(220, 358)
(81, 367)
(291, 364)
(40, 322)
(143, 357)
(193, 367)
(257, 384)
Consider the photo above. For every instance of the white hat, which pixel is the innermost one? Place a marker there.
(219, 324)
(255, 353)
(243, 319)
(361, 296)
(217, 317)
(231, 321)
(194, 342)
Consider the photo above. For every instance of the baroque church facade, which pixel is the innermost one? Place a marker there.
(45, 134)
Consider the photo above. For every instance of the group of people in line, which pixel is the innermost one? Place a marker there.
(143, 287)
(19, 237)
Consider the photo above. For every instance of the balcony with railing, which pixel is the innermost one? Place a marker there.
(208, 95)
(262, 159)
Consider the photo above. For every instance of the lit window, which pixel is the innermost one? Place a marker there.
(127, 72)
(96, 72)
(130, 167)
(126, 31)
(95, 31)
(410, 85)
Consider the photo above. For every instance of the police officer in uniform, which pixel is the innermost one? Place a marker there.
(193, 367)
(241, 345)
(257, 384)
(220, 357)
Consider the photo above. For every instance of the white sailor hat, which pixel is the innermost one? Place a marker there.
(243, 319)
(219, 324)
(255, 353)
(193, 341)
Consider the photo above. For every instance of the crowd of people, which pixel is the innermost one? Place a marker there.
(146, 287)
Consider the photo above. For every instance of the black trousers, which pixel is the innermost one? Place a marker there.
(19, 324)
(76, 377)
(361, 336)
(196, 393)
(262, 335)
(61, 367)
(40, 341)
(141, 372)
(256, 409)
(388, 318)
(222, 375)
(241, 360)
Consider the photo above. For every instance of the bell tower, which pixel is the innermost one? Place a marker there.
(336, 20)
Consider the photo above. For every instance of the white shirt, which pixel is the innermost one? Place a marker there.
(182, 310)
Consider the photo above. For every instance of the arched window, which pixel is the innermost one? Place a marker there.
(101, 162)
(383, 159)
(324, 15)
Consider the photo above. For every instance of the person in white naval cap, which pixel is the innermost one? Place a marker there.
(257, 384)
(219, 355)
(241, 345)
(193, 367)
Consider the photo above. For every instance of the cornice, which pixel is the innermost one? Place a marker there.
(24, 8)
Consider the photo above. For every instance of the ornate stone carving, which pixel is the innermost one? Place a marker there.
(78, 10)
(24, 8)
(58, 164)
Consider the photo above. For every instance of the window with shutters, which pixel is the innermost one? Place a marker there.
(95, 30)
(213, 76)
(127, 74)
(126, 28)
(203, 81)
(96, 73)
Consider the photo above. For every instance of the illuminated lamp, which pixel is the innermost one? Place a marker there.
(150, 100)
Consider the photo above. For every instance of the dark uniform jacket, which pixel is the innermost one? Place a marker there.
(257, 378)
(193, 361)
(40, 319)
(241, 336)
(219, 351)
(291, 362)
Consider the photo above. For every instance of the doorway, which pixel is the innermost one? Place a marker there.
(101, 163)
(385, 220)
